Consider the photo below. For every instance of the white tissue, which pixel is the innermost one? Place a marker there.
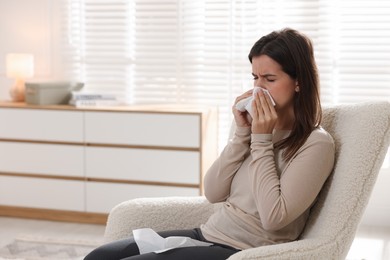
(246, 104)
(149, 241)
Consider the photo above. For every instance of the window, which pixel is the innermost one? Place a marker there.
(184, 51)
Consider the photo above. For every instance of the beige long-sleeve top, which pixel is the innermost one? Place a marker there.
(266, 200)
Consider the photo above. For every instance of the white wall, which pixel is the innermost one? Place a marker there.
(29, 26)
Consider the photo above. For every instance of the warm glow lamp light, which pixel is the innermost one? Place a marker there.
(19, 66)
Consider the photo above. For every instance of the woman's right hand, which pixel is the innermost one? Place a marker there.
(243, 119)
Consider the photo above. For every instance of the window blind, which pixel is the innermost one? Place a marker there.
(98, 46)
(362, 61)
(184, 51)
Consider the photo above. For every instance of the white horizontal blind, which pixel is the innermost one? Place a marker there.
(185, 51)
(98, 44)
(362, 59)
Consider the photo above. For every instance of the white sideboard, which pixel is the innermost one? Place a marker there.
(75, 164)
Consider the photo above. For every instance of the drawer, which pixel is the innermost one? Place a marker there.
(102, 197)
(45, 125)
(42, 193)
(149, 129)
(143, 165)
(46, 159)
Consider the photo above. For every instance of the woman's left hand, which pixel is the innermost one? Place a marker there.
(264, 114)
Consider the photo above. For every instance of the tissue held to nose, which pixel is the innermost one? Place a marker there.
(246, 104)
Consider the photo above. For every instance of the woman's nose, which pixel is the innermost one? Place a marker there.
(260, 82)
(257, 82)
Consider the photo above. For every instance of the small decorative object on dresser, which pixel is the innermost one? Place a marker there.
(19, 66)
(50, 92)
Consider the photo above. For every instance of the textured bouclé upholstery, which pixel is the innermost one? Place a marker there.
(362, 135)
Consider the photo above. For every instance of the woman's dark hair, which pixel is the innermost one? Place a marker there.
(294, 53)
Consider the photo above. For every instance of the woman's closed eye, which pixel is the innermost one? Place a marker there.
(255, 77)
(267, 77)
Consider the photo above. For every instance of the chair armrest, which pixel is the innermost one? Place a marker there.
(190, 212)
(168, 213)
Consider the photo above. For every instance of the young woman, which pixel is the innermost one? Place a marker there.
(271, 171)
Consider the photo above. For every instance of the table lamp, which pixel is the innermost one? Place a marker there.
(19, 66)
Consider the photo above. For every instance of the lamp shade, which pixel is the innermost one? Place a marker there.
(20, 65)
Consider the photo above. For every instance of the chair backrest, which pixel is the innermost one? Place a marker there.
(362, 134)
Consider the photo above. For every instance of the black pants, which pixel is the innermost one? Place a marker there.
(126, 249)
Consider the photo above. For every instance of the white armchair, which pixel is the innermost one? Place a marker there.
(362, 135)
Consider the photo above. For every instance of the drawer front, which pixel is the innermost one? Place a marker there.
(143, 165)
(45, 125)
(41, 193)
(150, 129)
(102, 197)
(43, 159)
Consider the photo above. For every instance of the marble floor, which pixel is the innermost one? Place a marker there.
(371, 243)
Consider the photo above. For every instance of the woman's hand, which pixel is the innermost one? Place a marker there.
(264, 114)
(243, 119)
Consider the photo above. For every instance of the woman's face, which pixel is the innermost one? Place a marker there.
(268, 74)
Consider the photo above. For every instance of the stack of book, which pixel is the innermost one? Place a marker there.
(93, 99)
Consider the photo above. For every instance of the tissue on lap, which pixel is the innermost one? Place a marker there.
(148, 241)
